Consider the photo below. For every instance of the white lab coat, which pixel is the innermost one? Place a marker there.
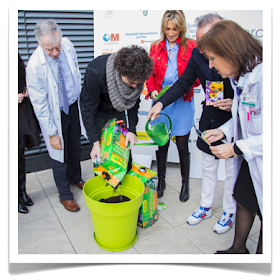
(43, 93)
(248, 134)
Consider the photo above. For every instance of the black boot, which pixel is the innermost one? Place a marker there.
(161, 170)
(185, 172)
(22, 182)
(26, 199)
(21, 206)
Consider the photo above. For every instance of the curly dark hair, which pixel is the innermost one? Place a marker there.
(134, 63)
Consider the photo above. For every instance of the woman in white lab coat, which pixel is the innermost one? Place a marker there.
(235, 54)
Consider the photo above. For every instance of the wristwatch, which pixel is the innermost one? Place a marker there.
(234, 153)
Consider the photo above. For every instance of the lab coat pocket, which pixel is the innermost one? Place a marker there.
(255, 124)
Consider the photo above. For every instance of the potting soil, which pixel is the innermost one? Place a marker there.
(115, 199)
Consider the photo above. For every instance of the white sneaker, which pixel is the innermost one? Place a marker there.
(224, 224)
(199, 214)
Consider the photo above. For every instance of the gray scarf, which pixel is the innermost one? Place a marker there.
(122, 97)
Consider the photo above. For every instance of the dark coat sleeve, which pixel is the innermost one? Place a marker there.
(21, 75)
(133, 117)
(28, 126)
(89, 102)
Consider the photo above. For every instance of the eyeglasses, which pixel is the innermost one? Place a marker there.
(124, 79)
(131, 84)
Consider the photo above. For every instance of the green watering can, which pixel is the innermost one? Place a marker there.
(158, 133)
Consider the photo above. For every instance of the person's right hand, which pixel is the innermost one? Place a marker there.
(154, 93)
(95, 151)
(55, 142)
(223, 104)
(154, 111)
(214, 135)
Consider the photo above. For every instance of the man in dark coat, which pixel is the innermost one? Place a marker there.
(212, 116)
(113, 84)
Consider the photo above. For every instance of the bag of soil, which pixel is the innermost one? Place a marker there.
(114, 154)
(148, 211)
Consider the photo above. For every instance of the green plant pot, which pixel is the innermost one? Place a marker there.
(115, 224)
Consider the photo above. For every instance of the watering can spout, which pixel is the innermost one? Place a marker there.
(158, 133)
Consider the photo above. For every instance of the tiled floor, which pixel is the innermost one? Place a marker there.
(49, 229)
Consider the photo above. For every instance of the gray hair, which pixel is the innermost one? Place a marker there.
(207, 19)
(48, 26)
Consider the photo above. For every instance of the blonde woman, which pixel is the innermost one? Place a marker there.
(171, 54)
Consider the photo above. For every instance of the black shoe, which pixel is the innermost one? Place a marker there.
(22, 192)
(185, 172)
(26, 199)
(226, 252)
(161, 171)
(21, 206)
(160, 186)
(184, 195)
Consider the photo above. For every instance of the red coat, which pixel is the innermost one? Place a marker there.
(159, 55)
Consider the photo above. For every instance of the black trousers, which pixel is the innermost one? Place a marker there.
(69, 172)
(21, 171)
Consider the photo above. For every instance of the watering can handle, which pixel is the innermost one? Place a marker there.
(146, 128)
(170, 125)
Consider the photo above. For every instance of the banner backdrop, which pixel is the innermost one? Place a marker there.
(114, 29)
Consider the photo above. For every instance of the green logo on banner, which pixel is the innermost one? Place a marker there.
(145, 12)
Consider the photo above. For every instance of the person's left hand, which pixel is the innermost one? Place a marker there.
(20, 97)
(222, 151)
(224, 104)
(130, 137)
